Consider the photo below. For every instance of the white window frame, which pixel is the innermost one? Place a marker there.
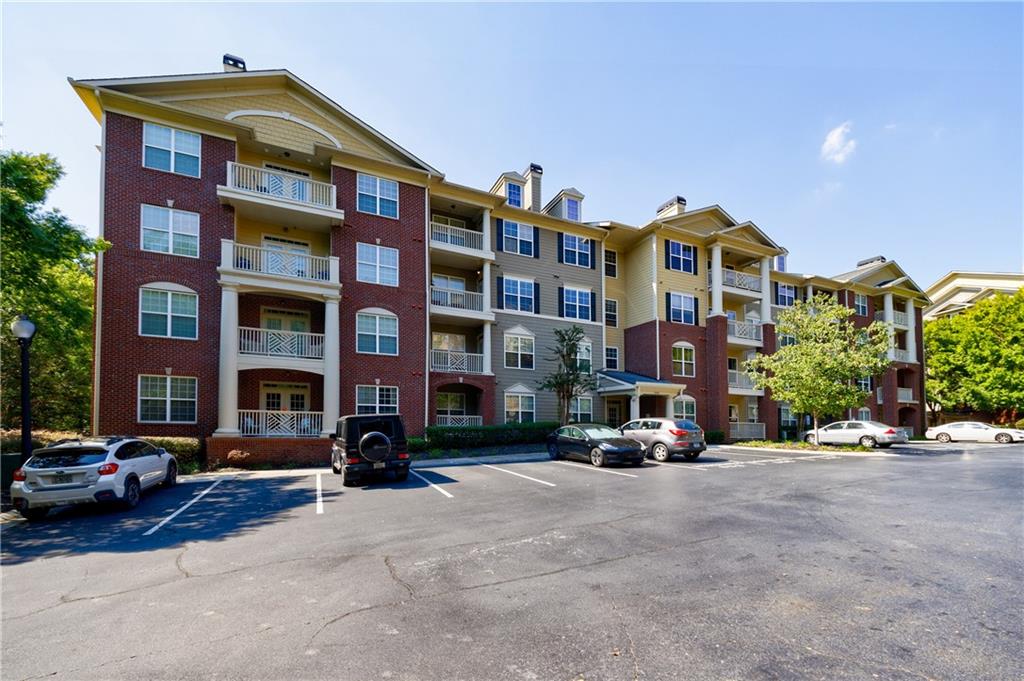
(678, 301)
(447, 279)
(864, 384)
(439, 219)
(786, 415)
(570, 200)
(508, 194)
(519, 281)
(377, 195)
(170, 231)
(376, 404)
(580, 293)
(608, 351)
(576, 412)
(174, 136)
(580, 247)
(861, 414)
(377, 315)
(519, 239)
(166, 398)
(615, 313)
(378, 267)
(519, 396)
(790, 290)
(171, 290)
(860, 304)
(585, 353)
(614, 263)
(680, 408)
(449, 410)
(519, 338)
(683, 346)
(686, 263)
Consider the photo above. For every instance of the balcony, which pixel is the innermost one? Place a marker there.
(902, 395)
(259, 267)
(740, 384)
(746, 431)
(459, 238)
(901, 355)
(898, 318)
(272, 196)
(744, 333)
(739, 282)
(271, 348)
(264, 423)
(457, 303)
(459, 421)
(456, 362)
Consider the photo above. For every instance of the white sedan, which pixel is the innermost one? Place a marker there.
(973, 431)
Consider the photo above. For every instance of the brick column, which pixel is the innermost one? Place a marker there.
(890, 399)
(767, 408)
(718, 375)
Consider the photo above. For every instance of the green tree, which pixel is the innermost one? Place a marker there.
(817, 373)
(976, 358)
(571, 378)
(46, 265)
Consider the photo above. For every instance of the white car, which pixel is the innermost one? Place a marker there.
(864, 433)
(94, 470)
(973, 431)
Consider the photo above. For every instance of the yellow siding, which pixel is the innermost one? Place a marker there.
(682, 282)
(639, 292)
(615, 289)
(251, 232)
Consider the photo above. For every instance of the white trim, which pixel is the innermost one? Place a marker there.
(682, 309)
(290, 387)
(519, 330)
(373, 312)
(519, 391)
(377, 180)
(167, 399)
(376, 403)
(171, 170)
(682, 259)
(590, 304)
(604, 271)
(284, 115)
(168, 288)
(617, 359)
(378, 266)
(170, 230)
(98, 320)
(684, 345)
(611, 300)
(655, 303)
(504, 352)
(553, 318)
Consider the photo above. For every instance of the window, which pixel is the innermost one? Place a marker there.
(517, 238)
(682, 257)
(451, 404)
(780, 263)
(518, 294)
(376, 195)
(576, 303)
(174, 151)
(863, 414)
(684, 361)
(376, 399)
(786, 295)
(611, 264)
(585, 357)
(611, 358)
(684, 407)
(581, 409)
(168, 314)
(514, 194)
(576, 250)
(447, 281)
(864, 384)
(452, 342)
(447, 221)
(682, 308)
(377, 334)
(167, 399)
(572, 209)
(518, 352)
(786, 339)
(860, 304)
(611, 312)
(377, 264)
(519, 408)
(786, 415)
(170, 231)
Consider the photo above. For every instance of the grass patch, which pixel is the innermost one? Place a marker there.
(770, 444)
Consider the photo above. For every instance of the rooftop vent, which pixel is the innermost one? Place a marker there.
(233, 63)
(673, 207)
(871, 261)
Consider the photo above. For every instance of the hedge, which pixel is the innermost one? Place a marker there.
(451, 437)
(187, 450)
(1019, 424)
(714, 437)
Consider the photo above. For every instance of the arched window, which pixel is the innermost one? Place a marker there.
(685, 407)
(863, 414)
(684, 359)
(376, 331)
(520, 405)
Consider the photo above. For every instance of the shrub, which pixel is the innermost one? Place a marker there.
(449, 437)
(1019, 424)
(187, 450)
(714, 437)
(417, 444)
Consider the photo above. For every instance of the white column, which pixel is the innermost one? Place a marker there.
(716, 280)
(332, 366)
(766, 290)
(668, 407)
(887, 317)
(908, 307)
(227, 389)
(809, 292)
(487, 347)
(486, 288)
(485, 222)
(634, 407)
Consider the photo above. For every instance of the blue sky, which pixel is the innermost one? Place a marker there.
(844, 131)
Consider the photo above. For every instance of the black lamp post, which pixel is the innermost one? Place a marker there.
(23, 330)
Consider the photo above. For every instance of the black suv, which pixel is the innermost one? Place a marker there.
(365, 444)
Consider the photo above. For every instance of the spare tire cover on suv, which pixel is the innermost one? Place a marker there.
(375, 446)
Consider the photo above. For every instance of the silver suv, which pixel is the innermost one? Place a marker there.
(94, 470)
(661, 438)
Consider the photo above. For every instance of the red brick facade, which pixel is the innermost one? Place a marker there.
(767, 408)
(480, 387)
(253, 452)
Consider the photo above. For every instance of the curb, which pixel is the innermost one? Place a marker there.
(731, 448)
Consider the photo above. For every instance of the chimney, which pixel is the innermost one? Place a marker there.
(233, 63)
(871, 261)
(673, 207)
(532, 200)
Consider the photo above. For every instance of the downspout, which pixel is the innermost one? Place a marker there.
(657, 320)
(98, 304)
(426, 307)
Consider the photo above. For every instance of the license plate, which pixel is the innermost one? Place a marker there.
(61, 479)
(379, 465)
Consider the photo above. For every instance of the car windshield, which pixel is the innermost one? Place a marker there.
(601, 432)
(66, 458)
(687, 425)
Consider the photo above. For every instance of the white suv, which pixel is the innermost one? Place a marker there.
(94, 470)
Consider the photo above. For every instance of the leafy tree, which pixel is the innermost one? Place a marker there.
(46, 264)
(817, 374)
(976, 358)
(569, 379)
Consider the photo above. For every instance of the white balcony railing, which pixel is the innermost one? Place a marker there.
(901, 355)
(909, 430)
(281, 185)
(276, 343)
(898, 318)
(272, 261)
(905, 394)
(879, 397)
(742, 280)
(264, 423)
(456, 362)
(745, 330)
(740, 379)
(456, 236)
(746, 431)
(457, 300)
(459, 420)
(776, 311)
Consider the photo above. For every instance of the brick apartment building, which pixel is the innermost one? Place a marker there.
(276, 263)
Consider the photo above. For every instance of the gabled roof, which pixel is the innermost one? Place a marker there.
(568, 191)
(508, 175)
(753, 229)
(630, 378)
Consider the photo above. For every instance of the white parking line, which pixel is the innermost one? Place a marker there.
(319, 496)
(731, 452)
(444, 492)
(505, 470)
(175, 514)
(597, 470)
(699, 467)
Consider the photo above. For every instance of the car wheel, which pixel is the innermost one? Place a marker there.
(553, 451)
(347, 479)
(335, 467)
(132, 493)
(809, 438)
(597, 457)
(171, 478)
(944, 438)
(402, 475)
(690, 456)
(1004, 438)
(660, 452)
(34, 514)
(869, 442)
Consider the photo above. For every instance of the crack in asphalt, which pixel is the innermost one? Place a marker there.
(397, 579)
(178, 561)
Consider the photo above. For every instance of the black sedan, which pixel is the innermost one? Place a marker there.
(595, 443)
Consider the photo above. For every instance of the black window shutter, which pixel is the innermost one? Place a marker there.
(668, 306)
(668, 255)
(561, 301)
(499, 302)
(593, 260)
(696, 311)
(499, 235)
(775, 293)
(593, 307)
(536, 298)
(536, 242)
(561, 246)
(696, 266)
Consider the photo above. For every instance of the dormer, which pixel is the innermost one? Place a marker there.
(512, 186)
(567, 204)
(671, 208)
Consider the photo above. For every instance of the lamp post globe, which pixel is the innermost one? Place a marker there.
(23, 329)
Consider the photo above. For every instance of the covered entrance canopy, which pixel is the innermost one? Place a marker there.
(644, 395)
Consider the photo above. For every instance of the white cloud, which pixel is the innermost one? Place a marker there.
(890, 126)
(838, 144)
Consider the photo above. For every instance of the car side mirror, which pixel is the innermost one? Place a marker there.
(161, 451)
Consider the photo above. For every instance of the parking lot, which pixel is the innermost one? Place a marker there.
(905, 563)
